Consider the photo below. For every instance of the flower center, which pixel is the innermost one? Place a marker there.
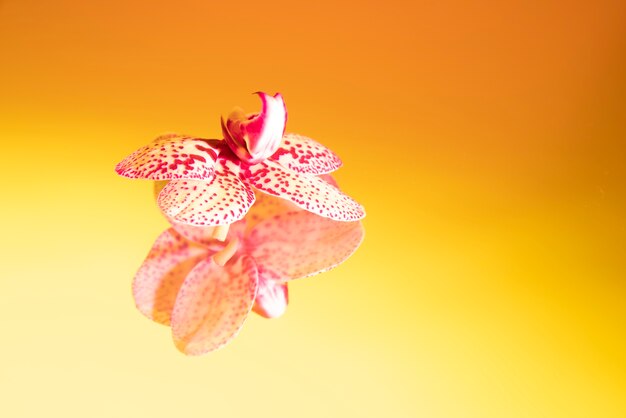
(255, 137)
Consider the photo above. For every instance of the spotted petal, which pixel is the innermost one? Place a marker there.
(172, 156)
(300, 244)
(305, 190)
(304, 155)
(212, 304)
(162, 273)
(223, 200)
(211, 237)
(204, 235)
(266, 206)
(272, 297)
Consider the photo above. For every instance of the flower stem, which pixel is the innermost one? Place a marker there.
(222, 257)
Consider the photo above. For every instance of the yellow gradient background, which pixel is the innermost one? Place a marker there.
(487, 142)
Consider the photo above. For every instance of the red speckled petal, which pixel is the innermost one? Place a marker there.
(300, 244)
(212, 304)
(304, 155)
(162, 273)
(202, 234)
(305, 190)
(172, 156)
(266, 205)
(271, 299)
(223, 200)
(329, 179)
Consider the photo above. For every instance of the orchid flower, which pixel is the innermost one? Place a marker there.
(204, 285)
(214, 182)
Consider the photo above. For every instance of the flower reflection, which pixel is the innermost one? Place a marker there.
(204, 287)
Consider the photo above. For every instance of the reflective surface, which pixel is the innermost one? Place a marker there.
(485, 142)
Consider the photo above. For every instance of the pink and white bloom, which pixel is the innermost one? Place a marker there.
(204, 287)
(233, 246)
(255, 137)
(215, 182)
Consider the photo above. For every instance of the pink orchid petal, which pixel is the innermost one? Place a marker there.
(223, 200)
(159, 278)
(329, 179)
(212, 304)
(255, 137)
(305, 190)
(304, 155)
(203, 235)
(172, 156)
(271, 299)
(300, 244)
(266, 205)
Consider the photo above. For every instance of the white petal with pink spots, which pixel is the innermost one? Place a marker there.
(305, 190)
(223, 200)
(171, 156)
(304, 155)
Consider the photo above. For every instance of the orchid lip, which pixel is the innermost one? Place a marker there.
(256, 136)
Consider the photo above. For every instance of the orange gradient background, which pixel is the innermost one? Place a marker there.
(486, 141)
